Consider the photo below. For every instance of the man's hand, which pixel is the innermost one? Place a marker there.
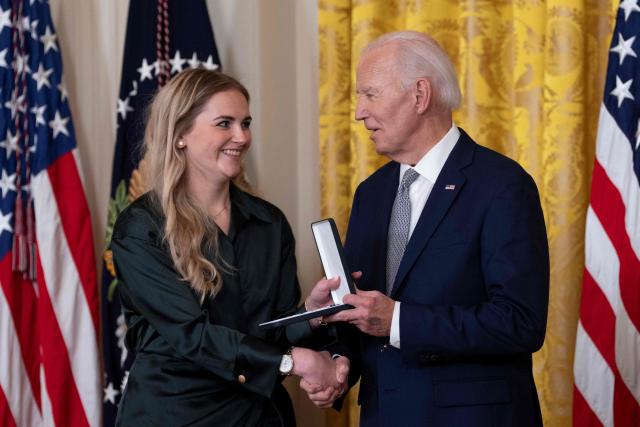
(323, 397)
(372, 313)
(316, 367)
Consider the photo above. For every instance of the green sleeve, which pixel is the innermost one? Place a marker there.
(152, 288)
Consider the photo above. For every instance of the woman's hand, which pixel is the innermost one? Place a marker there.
(320, 295)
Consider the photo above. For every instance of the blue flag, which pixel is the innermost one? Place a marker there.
(163, 38)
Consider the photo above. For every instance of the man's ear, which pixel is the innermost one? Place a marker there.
(423, 95)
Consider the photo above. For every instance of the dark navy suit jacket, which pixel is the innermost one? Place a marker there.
(473, 286)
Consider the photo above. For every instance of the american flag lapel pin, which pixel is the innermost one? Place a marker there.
(450, 187)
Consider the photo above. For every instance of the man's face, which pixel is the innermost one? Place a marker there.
(387, 110)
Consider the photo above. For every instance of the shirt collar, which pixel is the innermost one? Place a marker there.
(248, 205)
(432, 163)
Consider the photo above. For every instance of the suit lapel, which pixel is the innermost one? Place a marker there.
(445, 190)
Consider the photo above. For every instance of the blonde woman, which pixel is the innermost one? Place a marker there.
(201, 264)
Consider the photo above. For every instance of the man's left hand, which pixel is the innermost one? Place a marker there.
(372, 313)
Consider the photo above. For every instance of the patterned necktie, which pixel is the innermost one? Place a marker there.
(399, 227)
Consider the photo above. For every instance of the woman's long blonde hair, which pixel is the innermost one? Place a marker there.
(187, 229)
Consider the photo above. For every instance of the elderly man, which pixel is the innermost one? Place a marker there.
(450, 241)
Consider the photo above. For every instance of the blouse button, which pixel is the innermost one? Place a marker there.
(242, 379)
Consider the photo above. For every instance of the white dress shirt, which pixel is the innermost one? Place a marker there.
(429, 168)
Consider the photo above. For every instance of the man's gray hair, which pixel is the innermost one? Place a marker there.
(421, 56)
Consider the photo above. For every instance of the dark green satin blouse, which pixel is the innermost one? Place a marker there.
(208, 364)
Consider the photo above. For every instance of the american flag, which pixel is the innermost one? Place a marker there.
(163, 38)
(49, 358)
(607, 362)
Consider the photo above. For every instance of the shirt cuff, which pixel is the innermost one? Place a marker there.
(394, 338)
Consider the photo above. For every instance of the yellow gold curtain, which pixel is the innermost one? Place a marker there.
(531, 73)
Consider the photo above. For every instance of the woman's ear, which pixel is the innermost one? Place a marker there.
(423, 94)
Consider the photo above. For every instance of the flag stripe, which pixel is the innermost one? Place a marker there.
(72, 311)
(608, 205)
(66, 184)
(628, 354)
(47, 410)
(601, 260)
(6, 420)
(603, 265)
(613, 153)
(65, 400)
(625, 407)
(600, 292)
(21, 302)
(14, 379)
(598, 318)
(583, 415)
(593, 377)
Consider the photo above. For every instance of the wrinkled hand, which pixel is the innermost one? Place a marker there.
(372, 313)
(323, 397)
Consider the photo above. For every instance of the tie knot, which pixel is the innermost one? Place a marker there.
(409, 176)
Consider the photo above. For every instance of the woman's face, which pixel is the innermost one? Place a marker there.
(218, 140)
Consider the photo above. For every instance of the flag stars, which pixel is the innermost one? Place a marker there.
(177, 63)
(7, 183)
(134, 90)
(30, 26)
(3, 58)
(34, 29)
(42, 76)
(59, 125)
(629, 6)
(624, 48)
(39, 113)
(194, 62)
(22, 63)
(63, 91)
(10, 144)
(34, 147)
(110, 394)
(49, 40)
(15, 105)
(26, 23)
(5, 19)
(5, 222)
(159, 66)
(124, 107)
(145, 70)
(621, 90)
(210, 65)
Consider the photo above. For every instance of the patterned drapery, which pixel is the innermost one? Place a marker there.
(531, 73)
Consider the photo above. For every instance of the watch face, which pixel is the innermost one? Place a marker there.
(286, 364)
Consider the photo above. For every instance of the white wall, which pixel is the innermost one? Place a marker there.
(271, 46)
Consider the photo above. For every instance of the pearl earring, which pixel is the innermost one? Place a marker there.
(180, 144)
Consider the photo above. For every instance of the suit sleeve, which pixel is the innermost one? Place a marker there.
(348, 335)
(515, 265)
(151, 287)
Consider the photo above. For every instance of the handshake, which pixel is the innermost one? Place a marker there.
(323, 378)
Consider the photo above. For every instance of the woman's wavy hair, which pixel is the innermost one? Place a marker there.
(188, 231)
